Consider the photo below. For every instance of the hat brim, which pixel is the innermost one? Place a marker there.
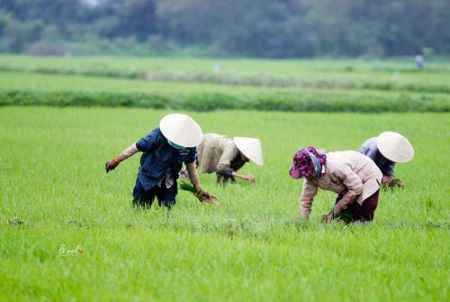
(181, 129)
(395, 147)
(251, 148)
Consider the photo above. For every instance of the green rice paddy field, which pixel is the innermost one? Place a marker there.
(68, 231)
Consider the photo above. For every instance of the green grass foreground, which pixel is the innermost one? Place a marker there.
(68, 231)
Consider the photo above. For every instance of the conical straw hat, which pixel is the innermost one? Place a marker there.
(181, 129)
(395, 147)
(251, 148)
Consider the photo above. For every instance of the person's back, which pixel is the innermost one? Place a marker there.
(213, 148)
(357, 162)
(225, 156)
(370, 149)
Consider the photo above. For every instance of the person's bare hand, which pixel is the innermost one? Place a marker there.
(205, 197)
(386, 180)
(250, 179)
(397, 182)
(327, 218)
(111, 165)
(392, 182)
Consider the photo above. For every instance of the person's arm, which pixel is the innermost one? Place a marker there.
(223, 169)
(199, 193)
(354, 188)
(387, 168)
(145, 144)
(306, 198)
(248, 178)
(223, 166)
(126, 153)
(228, 172)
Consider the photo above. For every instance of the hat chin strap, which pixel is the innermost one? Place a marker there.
(178, 147)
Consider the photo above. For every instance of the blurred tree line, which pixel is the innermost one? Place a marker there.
(264, 28)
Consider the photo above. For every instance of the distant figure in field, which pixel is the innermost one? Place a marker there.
(420, 61)
(386, 150)
(354, 177)
(225, 156)
(164, 150)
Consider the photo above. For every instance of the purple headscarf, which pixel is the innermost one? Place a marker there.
(307, 162)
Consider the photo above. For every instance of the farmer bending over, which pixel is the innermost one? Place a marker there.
(386, 150)
(164, 150)
(225, 156)
(353, 176)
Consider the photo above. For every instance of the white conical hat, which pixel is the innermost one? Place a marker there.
(251, 148)
(395, 147)
(181, 129)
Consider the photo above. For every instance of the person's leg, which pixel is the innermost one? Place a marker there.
(356, 212)
(141, 197)
(167, 197)
(366, 211)
(184, 175)
(346, 215)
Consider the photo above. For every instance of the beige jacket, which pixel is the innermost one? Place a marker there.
(348, 171)
(216, 152)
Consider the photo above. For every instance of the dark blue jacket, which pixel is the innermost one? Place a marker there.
(160, 159)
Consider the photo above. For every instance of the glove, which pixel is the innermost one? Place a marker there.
(205, 197)
(111, 165)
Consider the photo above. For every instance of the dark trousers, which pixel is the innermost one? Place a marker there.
(356, 212)
(144, 198)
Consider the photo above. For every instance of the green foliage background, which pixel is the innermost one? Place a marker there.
(236, 28)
